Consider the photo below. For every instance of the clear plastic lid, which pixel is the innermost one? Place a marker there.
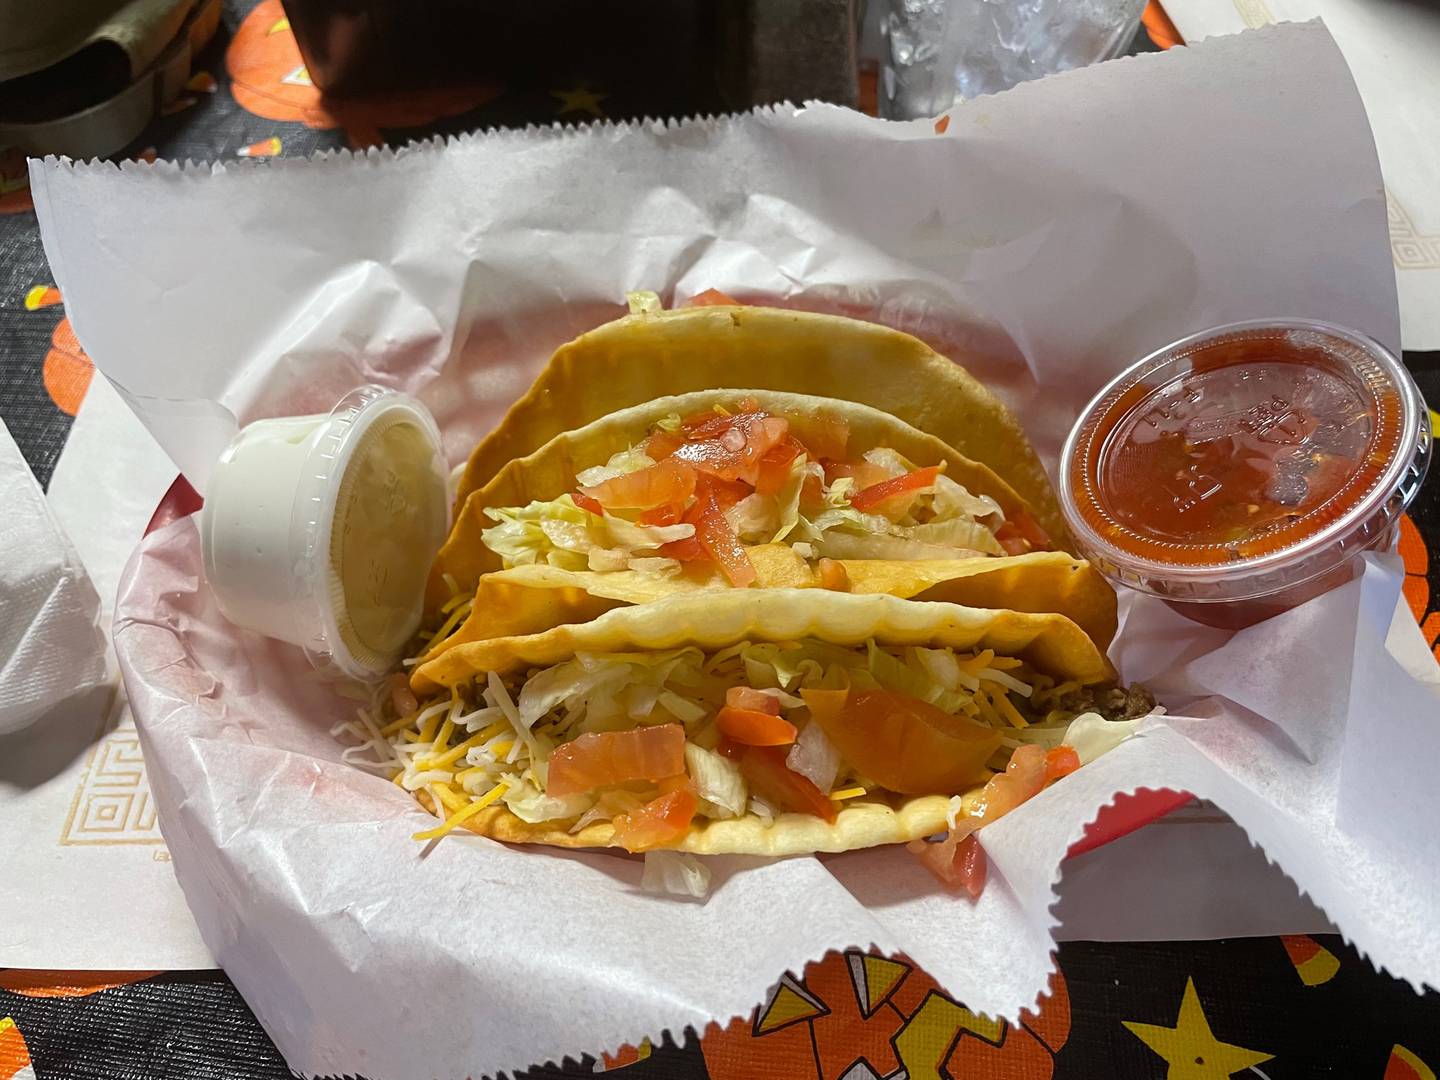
(1244, 461)
(320, 530)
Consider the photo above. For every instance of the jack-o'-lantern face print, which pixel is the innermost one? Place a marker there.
(862, 1017)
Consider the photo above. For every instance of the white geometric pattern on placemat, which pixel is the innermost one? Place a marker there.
(1412, 249)
(112, 803)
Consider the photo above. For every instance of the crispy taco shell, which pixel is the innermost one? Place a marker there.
(550, 471)
(532, 599)
(1050, 643)
(636, 358)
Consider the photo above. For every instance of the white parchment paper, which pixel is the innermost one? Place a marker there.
(1390, 46)
(1048, 237)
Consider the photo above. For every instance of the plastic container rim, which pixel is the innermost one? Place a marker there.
(1414, 438)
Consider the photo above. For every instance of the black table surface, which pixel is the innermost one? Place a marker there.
(1266, 1007)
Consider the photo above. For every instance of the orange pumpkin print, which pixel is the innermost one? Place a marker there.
(14, 1054)
(67, 370)
(1415, 554)
(66, 984)
(860, 1016)
(1406, 1065)
(1416, 558)
(268, 78)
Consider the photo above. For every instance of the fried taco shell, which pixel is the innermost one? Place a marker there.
(523, 708)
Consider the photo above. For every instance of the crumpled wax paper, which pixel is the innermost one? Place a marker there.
(51, 647)
(1047, 237)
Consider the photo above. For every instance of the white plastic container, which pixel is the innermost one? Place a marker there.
(320, 530)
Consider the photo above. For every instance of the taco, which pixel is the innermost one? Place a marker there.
(532, 598)
(769, 722)
(627, 362)
(724, 488)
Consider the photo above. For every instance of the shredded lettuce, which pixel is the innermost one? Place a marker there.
(1091, 735)
(607, 805)
(566, 683)
(643, 302)
(787, 499)
(837, 495)
(753, 518)
(814, 757)
(530, 804)
(626, 461)
(952, 499)
(844, 533)
(911, 677)
(644, 537)
(561, 534)
(677, 873)
(883, 457)
(717, 781)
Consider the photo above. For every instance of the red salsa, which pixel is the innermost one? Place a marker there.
(1246, 451)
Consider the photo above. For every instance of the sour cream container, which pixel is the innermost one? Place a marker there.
(1242, 470)
(320, 530)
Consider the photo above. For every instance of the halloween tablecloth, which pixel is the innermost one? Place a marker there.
(1273, 1008)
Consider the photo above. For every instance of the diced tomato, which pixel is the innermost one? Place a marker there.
(1060, 762)
(711, 297)
(812, 495)
(834, 576)
(745, 697)
(661, 444)
(775, 467)
(958, 861)
(731, 447)
(864, 474)
(1009, 538)
(705, 423)
(1022, 779)
(765, 771)
(661, 821)
(664, 514)
(1021, 533)
(720, 542)
(686, 550)
(597, 759)
(666, 483)
(727, 492)
(675, 783)
(585, 502)
(871, 497)
(754, 728)
(902, 743)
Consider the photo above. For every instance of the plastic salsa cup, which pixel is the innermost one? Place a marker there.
(319, 530)
(1241, 470)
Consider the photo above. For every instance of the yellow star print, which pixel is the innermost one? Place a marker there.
(580, 99)
(1190, 1048)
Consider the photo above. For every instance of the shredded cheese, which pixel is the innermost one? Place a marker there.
(454, 602)
(463, 814)
(978, 663)
(397, 725)
(455, 753)
(842, 794)
(1007, 710)
(448, 796)
(442, 740)
(450, 623)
